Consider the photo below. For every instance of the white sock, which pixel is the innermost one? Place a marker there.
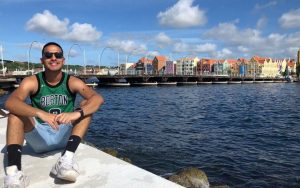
(69, 154)
(11, 170)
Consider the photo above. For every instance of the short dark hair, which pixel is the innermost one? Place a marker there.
(52, 43)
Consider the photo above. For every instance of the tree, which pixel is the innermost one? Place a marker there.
(298, 69)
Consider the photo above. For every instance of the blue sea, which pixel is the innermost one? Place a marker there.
(240, 135)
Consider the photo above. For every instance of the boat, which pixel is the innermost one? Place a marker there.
(258, 81)
(220, 82)
(116, 84)
(92, 84)
(167, 83)
(247, 82)
(234, 82)
(144, 84)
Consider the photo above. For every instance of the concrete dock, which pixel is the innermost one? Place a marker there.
(97, 169)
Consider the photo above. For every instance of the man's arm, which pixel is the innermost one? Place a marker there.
(15, 103)
(92, 104)
(93, 99)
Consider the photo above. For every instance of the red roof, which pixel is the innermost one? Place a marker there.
(161, 58)
(145, 60)
(260, 60)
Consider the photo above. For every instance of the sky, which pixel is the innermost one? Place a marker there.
(110, 32)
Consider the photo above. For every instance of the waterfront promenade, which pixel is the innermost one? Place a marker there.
(126, 80)
(97, 169)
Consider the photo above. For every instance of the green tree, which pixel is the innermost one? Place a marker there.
(298, 69)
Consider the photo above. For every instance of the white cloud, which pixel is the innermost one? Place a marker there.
(229, 33)
(251, 42)
(243, 49)
(180, 47)
(83, 33)
(73, 53)
(162, 39)
(267, 5)
(290, 19)
(207, 47)
(224, 53)
(183, 14)
(153, 53)
(49, 24)
(127, 46)
(262, 22)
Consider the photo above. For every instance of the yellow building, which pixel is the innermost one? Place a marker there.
(270, 68)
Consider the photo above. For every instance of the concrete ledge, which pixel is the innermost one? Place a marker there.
(97, 169)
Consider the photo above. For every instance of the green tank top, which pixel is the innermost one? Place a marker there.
(53, 99)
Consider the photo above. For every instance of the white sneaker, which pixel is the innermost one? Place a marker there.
(15, 178)
(66, 168)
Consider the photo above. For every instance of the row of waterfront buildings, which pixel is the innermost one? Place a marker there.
(256, 66)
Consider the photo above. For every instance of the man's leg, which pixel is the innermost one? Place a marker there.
(78, 132)
(66, 168)
(16, 126)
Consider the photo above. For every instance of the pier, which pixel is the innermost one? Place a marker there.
(126, 80)
(97, 169)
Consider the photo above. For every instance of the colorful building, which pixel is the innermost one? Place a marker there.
(170, 67)
(159, 64)
(124, 67)
(205, 66)
(270, 68)
(140, 67)
(187, 66)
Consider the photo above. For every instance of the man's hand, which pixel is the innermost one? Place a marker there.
(49, 118)
(67, 117)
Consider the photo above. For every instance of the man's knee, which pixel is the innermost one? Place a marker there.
(13, 119)
(19, 121)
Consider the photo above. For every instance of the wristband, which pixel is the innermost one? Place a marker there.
(81, 112)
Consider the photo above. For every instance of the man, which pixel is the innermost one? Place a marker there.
(50, 122)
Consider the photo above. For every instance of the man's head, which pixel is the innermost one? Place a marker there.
(52, 56)
(51, 43)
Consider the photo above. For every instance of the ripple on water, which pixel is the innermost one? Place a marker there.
(240, 135)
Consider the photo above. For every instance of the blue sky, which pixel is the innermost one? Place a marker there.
(131, 29)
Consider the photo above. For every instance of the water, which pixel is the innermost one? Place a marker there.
(244, 135)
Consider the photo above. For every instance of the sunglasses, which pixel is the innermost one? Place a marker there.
(58, 55)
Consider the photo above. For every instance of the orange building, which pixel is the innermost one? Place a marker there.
(159, 63)
(204, 66)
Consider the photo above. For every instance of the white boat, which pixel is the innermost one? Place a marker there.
(167, 83)
(258, 81)
(234, 82)
(145, 84)
(247, 82)
(92, 84)
(220, 82)
(116, 84)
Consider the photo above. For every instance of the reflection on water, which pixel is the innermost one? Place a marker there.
(240, 135)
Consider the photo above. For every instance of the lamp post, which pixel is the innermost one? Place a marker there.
(1, 49)
(100, 56)
(29, 56)
(69, 57)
